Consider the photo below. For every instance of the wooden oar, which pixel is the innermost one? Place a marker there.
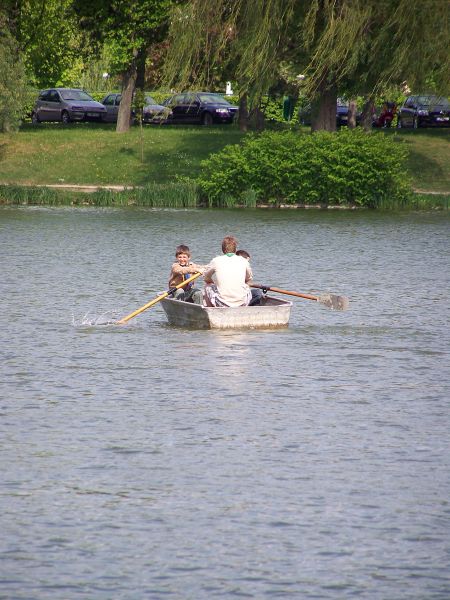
(157, 299)
(328, 300)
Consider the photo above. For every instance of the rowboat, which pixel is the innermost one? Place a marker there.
(271, 313)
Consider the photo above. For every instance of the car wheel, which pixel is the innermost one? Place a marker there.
(35, 118)
(207, 119)
(65, 117)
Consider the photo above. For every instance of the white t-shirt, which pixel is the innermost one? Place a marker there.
(230, 273)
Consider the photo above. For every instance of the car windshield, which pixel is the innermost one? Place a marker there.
(213, 98)
(76, 95)
(149, 101)
(432, 101)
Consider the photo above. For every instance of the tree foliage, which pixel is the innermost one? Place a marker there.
(128, 27)
(13, 87)
(358, 46)
(48, 36)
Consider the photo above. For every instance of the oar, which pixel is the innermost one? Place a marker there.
(329, 300)
(155, 300)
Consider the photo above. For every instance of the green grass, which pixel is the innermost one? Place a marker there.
(94, 154)
(429, 157)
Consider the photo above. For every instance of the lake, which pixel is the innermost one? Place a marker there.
(146, 461)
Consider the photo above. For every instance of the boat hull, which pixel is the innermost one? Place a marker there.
(272, 313)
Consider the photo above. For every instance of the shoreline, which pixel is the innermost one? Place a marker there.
(66, 194)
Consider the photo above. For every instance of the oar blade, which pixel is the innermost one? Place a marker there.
(334, 302)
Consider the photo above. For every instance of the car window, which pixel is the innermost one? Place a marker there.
(179, 99)
(44, 95)
(53, 96)
(410, 103)
(213, 98)
(76, 95)
(109, 100)
(149, 101)
(118, 99)
(433, 101)
(190, 98)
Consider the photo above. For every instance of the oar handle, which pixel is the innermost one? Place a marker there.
(157, 299)
(280, 291)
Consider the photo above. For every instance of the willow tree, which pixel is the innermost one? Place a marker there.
(336, 44)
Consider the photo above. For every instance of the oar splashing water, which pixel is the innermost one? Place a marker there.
(125, 319)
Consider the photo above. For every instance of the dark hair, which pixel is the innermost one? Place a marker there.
(243, 253)
(182, 249)
(229, 244)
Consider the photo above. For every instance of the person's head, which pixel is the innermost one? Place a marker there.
(182, 254)
(243, 253)
(229, 244)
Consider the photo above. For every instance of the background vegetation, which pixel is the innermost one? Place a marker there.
(91, 154)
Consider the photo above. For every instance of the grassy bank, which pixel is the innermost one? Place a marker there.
(94, 154)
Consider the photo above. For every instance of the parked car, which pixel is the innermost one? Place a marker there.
(200, 107)
(65, 105)
(424, 111)
(150, 111)
(342, 113)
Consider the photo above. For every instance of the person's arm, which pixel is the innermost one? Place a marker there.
(177, 269)
(248, 274)
(197, 268)
(208, 273)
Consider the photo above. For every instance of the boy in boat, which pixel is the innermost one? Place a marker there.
(182, 270)
(226, 278)
(256, 293)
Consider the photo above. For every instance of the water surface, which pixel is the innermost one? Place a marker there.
(151, 462)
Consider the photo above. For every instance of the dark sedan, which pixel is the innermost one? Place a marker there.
(205, 108)
(424, 111)
(65, 105)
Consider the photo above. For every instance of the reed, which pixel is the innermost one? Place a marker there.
(417, 202)
(163, 195)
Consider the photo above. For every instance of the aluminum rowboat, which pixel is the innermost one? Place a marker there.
(272, 312)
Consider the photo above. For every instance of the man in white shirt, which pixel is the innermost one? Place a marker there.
(226, 277)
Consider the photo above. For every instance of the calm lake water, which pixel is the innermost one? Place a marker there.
(151, 462)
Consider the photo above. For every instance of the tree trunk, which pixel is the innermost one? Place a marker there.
(351, 123)
(323, 113)
(128, 85)
(243, 113)
(367, 114)
(259, 121)
(140, 67)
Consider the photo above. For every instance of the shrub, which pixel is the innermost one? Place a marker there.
(347, 167)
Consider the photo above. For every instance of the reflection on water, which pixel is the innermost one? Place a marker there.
(146, 461)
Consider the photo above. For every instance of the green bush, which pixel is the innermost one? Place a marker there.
(349, 167)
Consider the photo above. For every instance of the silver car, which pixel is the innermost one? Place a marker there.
(66, 105)
(150, 112)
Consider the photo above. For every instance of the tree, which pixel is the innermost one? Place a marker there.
(352, 45)
(128, 27)
(48, 37)
(13, 88)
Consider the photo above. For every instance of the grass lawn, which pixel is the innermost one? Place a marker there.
(94, 154)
